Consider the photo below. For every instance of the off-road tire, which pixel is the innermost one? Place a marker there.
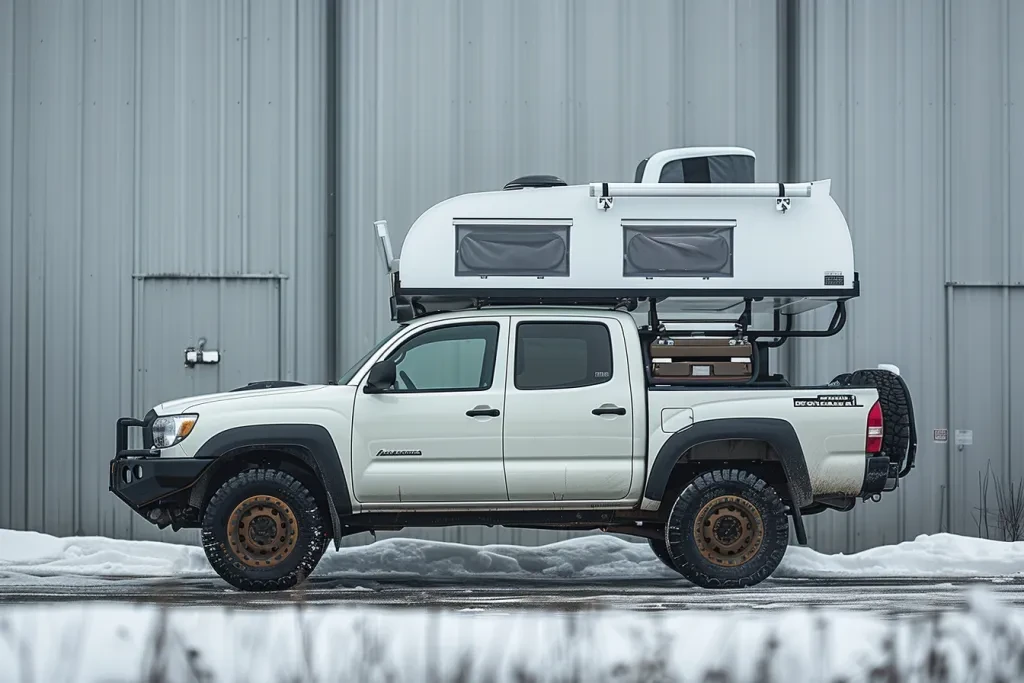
(299, 513)
(896, 416)
(661, 551)
(745, 511)
(840, 380)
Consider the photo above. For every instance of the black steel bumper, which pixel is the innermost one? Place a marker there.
(141, 477)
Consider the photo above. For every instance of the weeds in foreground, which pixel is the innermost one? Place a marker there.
(1008, 516)
(984, 643)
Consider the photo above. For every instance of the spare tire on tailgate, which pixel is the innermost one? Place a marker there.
(897, 411)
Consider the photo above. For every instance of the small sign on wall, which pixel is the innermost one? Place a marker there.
(940, 435)
(964, 437)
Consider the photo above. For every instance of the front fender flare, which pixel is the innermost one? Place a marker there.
(778, 433)
(313, 441)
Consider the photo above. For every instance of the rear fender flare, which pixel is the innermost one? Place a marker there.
(778, 433)
(312, 442)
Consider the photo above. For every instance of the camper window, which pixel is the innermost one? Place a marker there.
(525, 250)
(683, 249)
(723, 168)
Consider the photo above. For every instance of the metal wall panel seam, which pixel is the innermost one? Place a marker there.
(76, 375)
(901, 172)
(947, 241)
(849, 521)
(221, 141)
(7, 388)
(1006, 293)
(333, 176)
(246, 58)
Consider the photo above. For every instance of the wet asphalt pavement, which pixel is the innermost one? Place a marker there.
(891, 597)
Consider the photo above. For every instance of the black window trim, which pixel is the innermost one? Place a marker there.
(694, 225)
(489, 364)
(515, 353)
(561, 226)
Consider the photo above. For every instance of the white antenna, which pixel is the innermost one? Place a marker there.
(390, 262)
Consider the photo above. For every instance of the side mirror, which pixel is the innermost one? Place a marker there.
(381, 377)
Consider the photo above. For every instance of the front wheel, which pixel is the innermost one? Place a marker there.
(263, 530)
(661, 552)
(727, 529)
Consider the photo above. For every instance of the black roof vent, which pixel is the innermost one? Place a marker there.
(535, 181)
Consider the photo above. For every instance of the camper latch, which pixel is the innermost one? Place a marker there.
(782, 202)
(604, 202)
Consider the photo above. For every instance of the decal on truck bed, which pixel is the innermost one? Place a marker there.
(827, 401)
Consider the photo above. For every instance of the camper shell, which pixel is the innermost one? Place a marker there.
(693, 235)
(694, 229)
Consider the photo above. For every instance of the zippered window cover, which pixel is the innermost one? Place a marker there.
(512, 250)
(677, 251)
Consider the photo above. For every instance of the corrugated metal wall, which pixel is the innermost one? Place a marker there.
(140, 142)
(452, 96)
(912, 108)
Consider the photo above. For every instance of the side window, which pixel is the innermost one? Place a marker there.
(452, 358)
(562, 355)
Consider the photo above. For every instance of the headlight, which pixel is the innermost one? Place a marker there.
(171, 429)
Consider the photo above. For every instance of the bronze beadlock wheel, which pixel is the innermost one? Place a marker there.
(728, 531)
(727, 528)
(262, 531)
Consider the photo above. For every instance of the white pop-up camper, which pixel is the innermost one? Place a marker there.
(694, 232)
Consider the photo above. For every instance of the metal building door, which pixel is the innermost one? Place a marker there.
(233, 321)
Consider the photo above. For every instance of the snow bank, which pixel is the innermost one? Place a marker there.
(30, 554)
(106, 642)
(932, 556)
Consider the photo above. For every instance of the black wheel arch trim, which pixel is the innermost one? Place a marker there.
(312, 440)
(778, 433)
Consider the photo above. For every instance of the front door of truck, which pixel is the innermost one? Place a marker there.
(568, 410)
(435, 435)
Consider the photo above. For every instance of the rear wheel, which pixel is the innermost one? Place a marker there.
(727, 529)
(263, 530)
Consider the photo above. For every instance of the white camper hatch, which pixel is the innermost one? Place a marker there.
(694, 229)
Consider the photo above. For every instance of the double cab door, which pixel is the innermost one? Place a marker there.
(498, 409)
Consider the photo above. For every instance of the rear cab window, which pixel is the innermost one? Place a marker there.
(561, 355)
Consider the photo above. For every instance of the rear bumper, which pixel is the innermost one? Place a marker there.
(141, 478)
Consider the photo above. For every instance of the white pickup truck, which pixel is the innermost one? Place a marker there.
(555, 415)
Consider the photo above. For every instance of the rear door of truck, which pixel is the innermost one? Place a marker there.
(568, 431)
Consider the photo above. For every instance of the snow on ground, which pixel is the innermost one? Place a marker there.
(108, 642)
(24, 555)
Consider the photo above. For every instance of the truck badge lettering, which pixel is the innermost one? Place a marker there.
(384, 453)
(827, 401)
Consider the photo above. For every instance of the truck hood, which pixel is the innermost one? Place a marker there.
(183, 405)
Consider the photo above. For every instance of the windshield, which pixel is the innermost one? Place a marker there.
(350, 373)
